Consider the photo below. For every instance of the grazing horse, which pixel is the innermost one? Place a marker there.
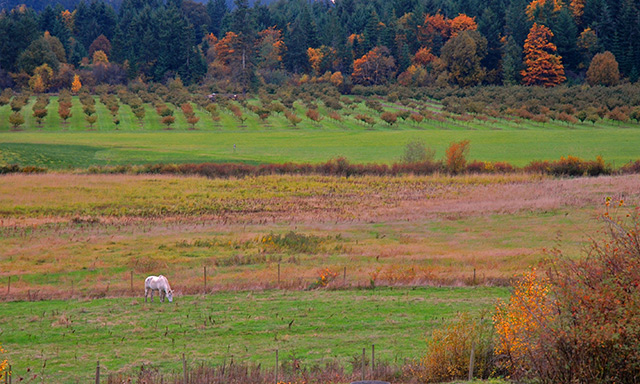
(160, 284)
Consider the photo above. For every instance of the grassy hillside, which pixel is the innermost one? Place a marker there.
(74, 144)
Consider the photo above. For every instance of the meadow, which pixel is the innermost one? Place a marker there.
(352, 261)
(60, 341)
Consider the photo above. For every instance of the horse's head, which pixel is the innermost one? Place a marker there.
(170, 295)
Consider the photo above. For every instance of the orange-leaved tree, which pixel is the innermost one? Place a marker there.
(456, 156)
(373, 68)
(76, 85)
(462, 23)
(543, 66)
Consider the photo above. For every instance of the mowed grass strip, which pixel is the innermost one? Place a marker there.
(616, 146)
(314, 326)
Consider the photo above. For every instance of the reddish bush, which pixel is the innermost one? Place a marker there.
(577, 321)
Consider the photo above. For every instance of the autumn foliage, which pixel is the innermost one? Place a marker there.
(578, 320)
(543, 66)
(373, 68)
(456, 156)
(603, 70)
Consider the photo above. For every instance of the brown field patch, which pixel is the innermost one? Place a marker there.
(61, 232)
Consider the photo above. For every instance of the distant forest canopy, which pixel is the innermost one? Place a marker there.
(367, 42)
(39, 5)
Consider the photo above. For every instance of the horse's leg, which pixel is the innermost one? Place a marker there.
(151, 290)
(162, 294)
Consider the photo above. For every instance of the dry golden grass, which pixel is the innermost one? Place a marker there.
(82, 235)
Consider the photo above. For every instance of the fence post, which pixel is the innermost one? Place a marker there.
(363, 357)
(471, 360)
(131, 280)
(98, 372)
(205, 279)
(276, 382)
(10, 374)
(184, 368)
(344, 276)
(278, 273)
(9, 286)
(373, 358)
(474, 276)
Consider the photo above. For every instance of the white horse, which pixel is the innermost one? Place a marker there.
(160, 284)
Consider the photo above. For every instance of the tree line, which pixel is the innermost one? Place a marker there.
(346, 42)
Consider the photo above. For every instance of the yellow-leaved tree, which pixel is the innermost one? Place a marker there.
(76, 85)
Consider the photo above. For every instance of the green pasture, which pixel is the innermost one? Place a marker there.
(313, 326)
(61, 150)
(76, 145)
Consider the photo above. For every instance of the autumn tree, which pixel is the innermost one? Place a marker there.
(373, 68)
(16, 120)
(462, 56)
(389, 117)
(603, 70)
(456, 156)
(76, 85)
(462, 23)
(270, 48)
(101, 43)
(337, 79)
(423, 56)
(542, 66)
(542, 11)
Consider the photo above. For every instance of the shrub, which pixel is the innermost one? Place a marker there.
(416, 150)
(293, 118)
(456, 156)
(389, 117)
(577, 320)
(417, 118)
(16, 120)
(168, 121)
(91, 119)
(449, 351)
(314, 115)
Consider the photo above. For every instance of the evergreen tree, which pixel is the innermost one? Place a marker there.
(565, 35)
(516, 22)
(18, 29)
(511, 61)
(371, 32)
(295, 58)
(490, 27)
(216, 9)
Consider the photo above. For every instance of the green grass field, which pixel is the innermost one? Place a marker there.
(75, 145)
(315, 326)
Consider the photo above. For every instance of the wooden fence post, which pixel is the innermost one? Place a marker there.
(278, 273)
(184, 368)
(471, 360)
(205, 279)
(9, 286)
(344, 276)
(98, 372)
(474, 276)
(373, 357)
(363, 357)
(131, 280)
(276, 382)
